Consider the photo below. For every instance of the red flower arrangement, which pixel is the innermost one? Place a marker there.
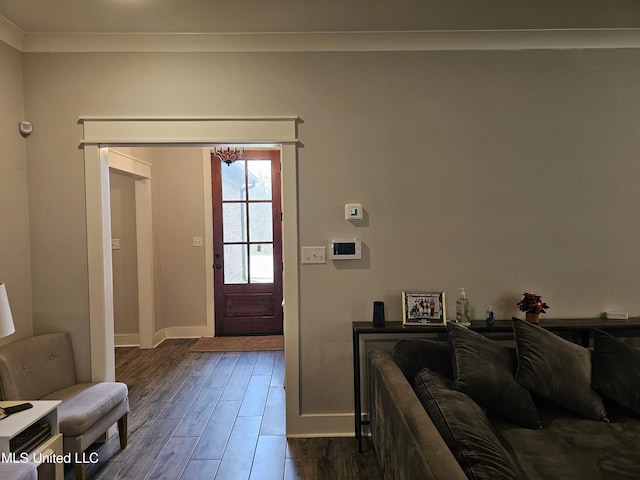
(532, 303)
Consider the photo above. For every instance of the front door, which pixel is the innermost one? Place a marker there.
(247, 243)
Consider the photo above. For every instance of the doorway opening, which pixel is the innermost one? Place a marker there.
(100, 132)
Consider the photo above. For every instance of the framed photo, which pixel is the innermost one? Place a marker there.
(420, 308)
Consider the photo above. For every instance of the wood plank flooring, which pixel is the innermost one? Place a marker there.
(210, 415)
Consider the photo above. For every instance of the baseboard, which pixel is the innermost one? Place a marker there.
(321, 425)
(188, 332)
(126, 340)
(133, 339)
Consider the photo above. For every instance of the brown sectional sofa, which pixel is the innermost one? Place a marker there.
(471, 408)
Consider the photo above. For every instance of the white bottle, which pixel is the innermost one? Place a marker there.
(462, 309)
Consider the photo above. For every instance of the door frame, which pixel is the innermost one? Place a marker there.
(186, 131)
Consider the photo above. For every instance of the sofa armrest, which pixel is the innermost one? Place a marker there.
(407, 443)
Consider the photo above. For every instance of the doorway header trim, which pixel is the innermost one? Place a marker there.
(144, 130)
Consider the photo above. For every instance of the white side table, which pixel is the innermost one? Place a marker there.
(49, 448)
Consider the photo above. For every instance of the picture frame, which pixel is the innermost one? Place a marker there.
(424, 308)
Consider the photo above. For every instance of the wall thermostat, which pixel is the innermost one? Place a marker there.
(345, 249)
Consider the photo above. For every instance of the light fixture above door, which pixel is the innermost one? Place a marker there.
(228, 155)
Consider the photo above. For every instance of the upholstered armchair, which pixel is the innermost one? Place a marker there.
(18, 471)
(42, 368)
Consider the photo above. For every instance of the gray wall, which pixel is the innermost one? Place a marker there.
(15, 265)
(497, 171)
(124, 259)
(178, 216)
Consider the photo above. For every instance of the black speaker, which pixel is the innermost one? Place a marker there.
(378, 314)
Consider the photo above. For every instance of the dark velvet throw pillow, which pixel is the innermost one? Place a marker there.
(412, 355)
(465, 429)
(616, 371)
(557, 370)
(485, 371)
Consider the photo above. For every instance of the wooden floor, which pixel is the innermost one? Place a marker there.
(216, 416)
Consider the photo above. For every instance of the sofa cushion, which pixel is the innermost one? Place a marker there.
(464, 428)
(412, 355)
(485, 371)
(86, 403)
(570, 447)
(616, 370)
(557, 370)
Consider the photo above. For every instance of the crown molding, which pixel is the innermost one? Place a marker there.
(319, 41)
(11, 34)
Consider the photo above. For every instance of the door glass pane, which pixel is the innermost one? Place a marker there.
(233, 222)
(259, 179)
(261, 257)
(233, 185)
(235, 264)
(260, 222)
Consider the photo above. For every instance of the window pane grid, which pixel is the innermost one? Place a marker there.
(248, 233)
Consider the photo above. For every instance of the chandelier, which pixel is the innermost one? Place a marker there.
(228, 155)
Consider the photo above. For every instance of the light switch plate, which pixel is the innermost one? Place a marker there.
(115, 244)
(314, 255)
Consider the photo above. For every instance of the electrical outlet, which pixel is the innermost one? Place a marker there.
(115, 244)
(197, 241)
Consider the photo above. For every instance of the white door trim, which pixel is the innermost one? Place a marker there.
(185, 131)
(208, 241)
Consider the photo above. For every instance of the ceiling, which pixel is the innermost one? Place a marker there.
(225, 16)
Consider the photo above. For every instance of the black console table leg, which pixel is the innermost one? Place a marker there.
(357, 401)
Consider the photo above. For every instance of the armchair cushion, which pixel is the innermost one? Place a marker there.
(18, 471)
(86, 403)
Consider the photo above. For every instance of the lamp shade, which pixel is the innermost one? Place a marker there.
(6, 320)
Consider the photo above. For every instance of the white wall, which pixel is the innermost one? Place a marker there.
(496, 171)
(15, 264)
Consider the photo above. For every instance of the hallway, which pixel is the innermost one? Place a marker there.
(216, 416)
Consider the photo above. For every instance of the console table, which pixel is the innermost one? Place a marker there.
(580, 327)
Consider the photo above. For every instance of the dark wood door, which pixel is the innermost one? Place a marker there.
(247, 243)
